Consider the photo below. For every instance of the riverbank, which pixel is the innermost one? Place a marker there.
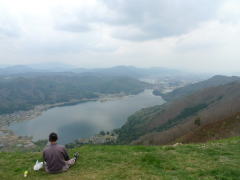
(9, 140)
(102, 138)
(7, 119)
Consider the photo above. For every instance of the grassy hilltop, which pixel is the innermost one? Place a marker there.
(213, 160)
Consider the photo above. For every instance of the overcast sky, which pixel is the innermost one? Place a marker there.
(197, 35)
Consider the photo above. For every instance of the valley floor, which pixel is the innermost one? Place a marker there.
(212, 160)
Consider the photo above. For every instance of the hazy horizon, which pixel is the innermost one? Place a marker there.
(61, 67)
(194, 36)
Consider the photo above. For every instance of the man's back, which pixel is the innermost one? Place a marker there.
(55, 156)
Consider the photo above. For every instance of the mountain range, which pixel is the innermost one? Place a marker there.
(130, 71)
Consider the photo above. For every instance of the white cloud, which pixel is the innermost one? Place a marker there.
(195, 35)
(229, 11)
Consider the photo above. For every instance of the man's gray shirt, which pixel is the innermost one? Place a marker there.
(55, 156)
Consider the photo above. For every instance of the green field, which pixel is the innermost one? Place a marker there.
(213, 160)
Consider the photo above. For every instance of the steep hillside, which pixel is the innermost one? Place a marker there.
(165, 124)
(213, 160)
(192, 88)
(216, 130)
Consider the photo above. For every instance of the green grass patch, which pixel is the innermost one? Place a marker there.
(213, 160)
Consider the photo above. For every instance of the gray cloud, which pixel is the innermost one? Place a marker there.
(144, 20)
(78, 20)
(160, 18)
(191, 34)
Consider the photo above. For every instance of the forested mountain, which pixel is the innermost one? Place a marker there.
(182, 119)
(192, 88)
(131, 71)
(23, 93)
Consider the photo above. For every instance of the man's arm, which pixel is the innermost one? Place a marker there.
(44, 160)
(44, 157)
(65, 155)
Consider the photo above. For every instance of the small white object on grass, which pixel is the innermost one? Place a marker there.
(25, 173)
(38, 166)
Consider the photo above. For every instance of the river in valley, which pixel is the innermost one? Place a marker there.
(85, 119)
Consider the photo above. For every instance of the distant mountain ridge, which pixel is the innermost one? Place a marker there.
(186, 114)
(16, 70)
(40, 68)
(192, 88)
(130, 71)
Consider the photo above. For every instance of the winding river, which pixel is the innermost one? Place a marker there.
(85, 119)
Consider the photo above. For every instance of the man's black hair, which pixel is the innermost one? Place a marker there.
(53, 137)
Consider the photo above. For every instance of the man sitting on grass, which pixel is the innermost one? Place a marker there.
(56, 157)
